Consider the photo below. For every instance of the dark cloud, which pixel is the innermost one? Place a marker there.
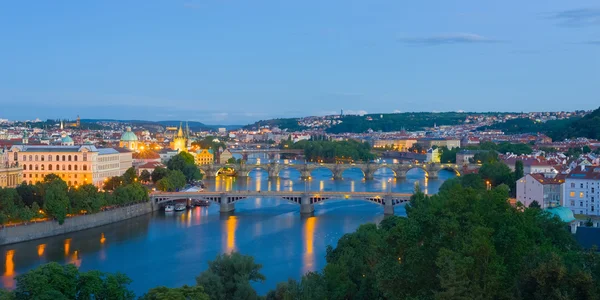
(578, 17)
(449, 39)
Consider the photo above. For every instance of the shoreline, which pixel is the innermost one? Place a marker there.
(34, 231)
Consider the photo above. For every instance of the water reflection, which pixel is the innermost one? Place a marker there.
(309, 240)
(230, 228)
(40, 249)
(9, 273)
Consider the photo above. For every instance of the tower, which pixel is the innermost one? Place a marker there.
(25, 139)
(179, 141)
(78, 124)
(61, 125)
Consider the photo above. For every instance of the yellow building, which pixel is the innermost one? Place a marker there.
(179, 141)
(11, 174)
(76, 165)
(129, 140)
(204, 157)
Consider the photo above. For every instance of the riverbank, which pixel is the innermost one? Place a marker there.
(33, 231)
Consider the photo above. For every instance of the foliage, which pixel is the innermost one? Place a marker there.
(185, 163)
(11, 207)
(229, 277)
(29, 193)
(172, 182)
(86, 198)
(328, 151)
(130, 193)
(183, 293)
(159, 173)
(113, 183)
(396, 122)
(145, 176)
(130, 176)
(209, 143)
(56, 200)
(448, 155)
(53, 281)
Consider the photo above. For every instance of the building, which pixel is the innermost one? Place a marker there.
(582, 190)
(125, 159)
(166, 154)
(439, 142)
(204, 157)
(11, 174)
(145, 156)
(545, 189)
(464, 157)
(129, 140)
(224, 156)
(401, 145)
(433, 155)
(76, 165)
(531, 165)
(179, 141)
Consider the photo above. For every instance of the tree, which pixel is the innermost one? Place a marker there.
(56, 200)
(164, 185)
(179, 161)
(130, 176)
(86, 198)
(113, 183)
(159, 173)
(145, 176)
(54, 281)
(232, 160)
(29, 194)
(519, 172)
(191, 173)
(183, 293)
(535, 204)
(229, 277)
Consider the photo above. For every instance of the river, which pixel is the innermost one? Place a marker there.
(172, 249)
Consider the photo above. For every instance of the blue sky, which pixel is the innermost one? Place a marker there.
(232, 62)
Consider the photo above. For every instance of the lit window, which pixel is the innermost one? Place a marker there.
(572, 194)
(580, 194)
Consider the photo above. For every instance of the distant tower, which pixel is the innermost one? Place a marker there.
(342, 113)
(61, 125)
(78, 124)
(180, 141)
(25, 139)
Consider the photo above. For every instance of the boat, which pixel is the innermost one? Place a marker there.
(180, 207)
(169, 208)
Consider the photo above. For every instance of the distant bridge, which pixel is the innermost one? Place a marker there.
(272, 153)
(368, 169)
(306, 200)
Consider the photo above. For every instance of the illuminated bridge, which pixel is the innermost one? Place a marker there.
(306, 200)
(273, 169)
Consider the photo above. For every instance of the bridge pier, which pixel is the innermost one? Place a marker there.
(432, 175)
(306, 208)
(305, 174)
(368, 175)
(400, 174)
(388, 206)
(225, 206)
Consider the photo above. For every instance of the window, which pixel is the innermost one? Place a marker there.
(69, 167)
(69, 157)
(24, 157)
(75, 167)
(49, 157)
(581, 185)
(84, 167)
(70, 183)
(64, 158)
(580, 194)
(30, 158)
(57, 167)
(42, 157)
(63, 168)
(572, 194)
(36, 167)
(75, 157)
(84, 156)
(581, 203)
(30, 167)
(24, 167)
(36, 158)
(49, 167)
(42, 166)
(57, 158)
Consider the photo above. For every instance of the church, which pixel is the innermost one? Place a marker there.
(179, 142)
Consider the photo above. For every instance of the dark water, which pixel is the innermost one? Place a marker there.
(172, 249)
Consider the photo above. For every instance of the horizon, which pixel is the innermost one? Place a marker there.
(232, 62)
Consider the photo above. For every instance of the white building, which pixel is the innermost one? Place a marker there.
(582, 190)
(545, 189)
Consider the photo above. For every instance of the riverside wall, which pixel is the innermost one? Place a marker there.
(32, 231)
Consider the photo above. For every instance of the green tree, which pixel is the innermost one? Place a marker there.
(519, 171)
(56, 199)
(145, 176)
(535, 204)
(183, 293)
(130, 176)
(164, 185)
(86, 198)
(113, 183)
(29, 194)
(229, 277)
(231, 160)
(179, 161)
(159, 173)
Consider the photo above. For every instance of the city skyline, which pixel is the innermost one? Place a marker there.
(235, 63)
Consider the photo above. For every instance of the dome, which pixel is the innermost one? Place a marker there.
(66, 139)
(129, 136)
(565, 214)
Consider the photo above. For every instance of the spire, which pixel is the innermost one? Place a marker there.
(180, 132)
(61, 125)
(187, 129)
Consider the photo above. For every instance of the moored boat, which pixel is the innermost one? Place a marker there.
(180, 207)
(169, 208)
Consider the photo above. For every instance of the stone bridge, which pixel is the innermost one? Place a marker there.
(306, 200)
(273, 169)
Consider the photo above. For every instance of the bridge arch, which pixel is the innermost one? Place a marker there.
(452, 169)
(324, 169)
(257, 168)
(292, 171)
(417, 168)
(351, 170)
(222, 169)
(382, 169)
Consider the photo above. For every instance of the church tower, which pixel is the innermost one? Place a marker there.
(180, 140)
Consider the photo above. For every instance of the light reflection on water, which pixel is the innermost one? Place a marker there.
(171, 249)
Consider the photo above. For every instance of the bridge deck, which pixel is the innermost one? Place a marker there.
(280, 194)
